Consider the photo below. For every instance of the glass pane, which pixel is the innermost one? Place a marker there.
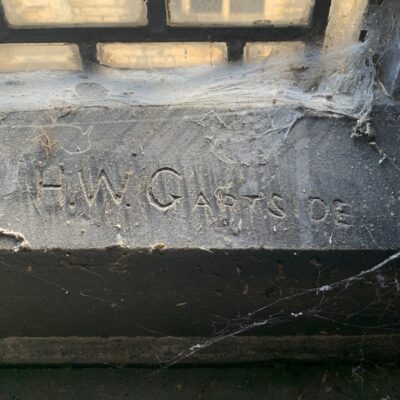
(213, 6)
(239, 12)
(31, 13)
(35, 56)
(260, 51)
(244, 7)
(160, 55)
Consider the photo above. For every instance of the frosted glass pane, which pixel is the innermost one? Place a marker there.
(239, 12)
(160, 55)
(213, 6)
(31, 13)
(251, 7)
(260, 51)
(43, 56)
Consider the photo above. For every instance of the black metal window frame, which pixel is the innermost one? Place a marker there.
(158, 30)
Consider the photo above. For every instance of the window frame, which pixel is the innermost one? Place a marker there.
(158, 30)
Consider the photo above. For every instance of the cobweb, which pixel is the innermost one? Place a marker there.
(337, 83)
(327, 81)
(341, 83)
(380, 286)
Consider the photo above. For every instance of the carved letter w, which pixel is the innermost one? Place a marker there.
(103, 179)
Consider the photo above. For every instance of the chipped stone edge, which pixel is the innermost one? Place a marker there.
(19, 237)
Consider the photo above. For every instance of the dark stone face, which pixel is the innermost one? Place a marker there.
(199, 221)
(99, 178)
(115, 222)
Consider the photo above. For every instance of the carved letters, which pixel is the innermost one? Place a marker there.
(51, 186)
(167, 189)
(319, 210)
(91, 191)
(154, 199)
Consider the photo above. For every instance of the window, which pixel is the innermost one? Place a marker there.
(142, 34)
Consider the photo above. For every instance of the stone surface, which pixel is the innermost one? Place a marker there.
(152, 177)
(171, 351)
(121, 221)
(214, 294)
(292, 382)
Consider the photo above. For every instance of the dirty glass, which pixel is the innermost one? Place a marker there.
(161, 55)
(31, 13)
(260, 51)
(239, 13)
(35, 56)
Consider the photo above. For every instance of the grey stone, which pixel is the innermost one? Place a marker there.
(188, 178)
(185, 222)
